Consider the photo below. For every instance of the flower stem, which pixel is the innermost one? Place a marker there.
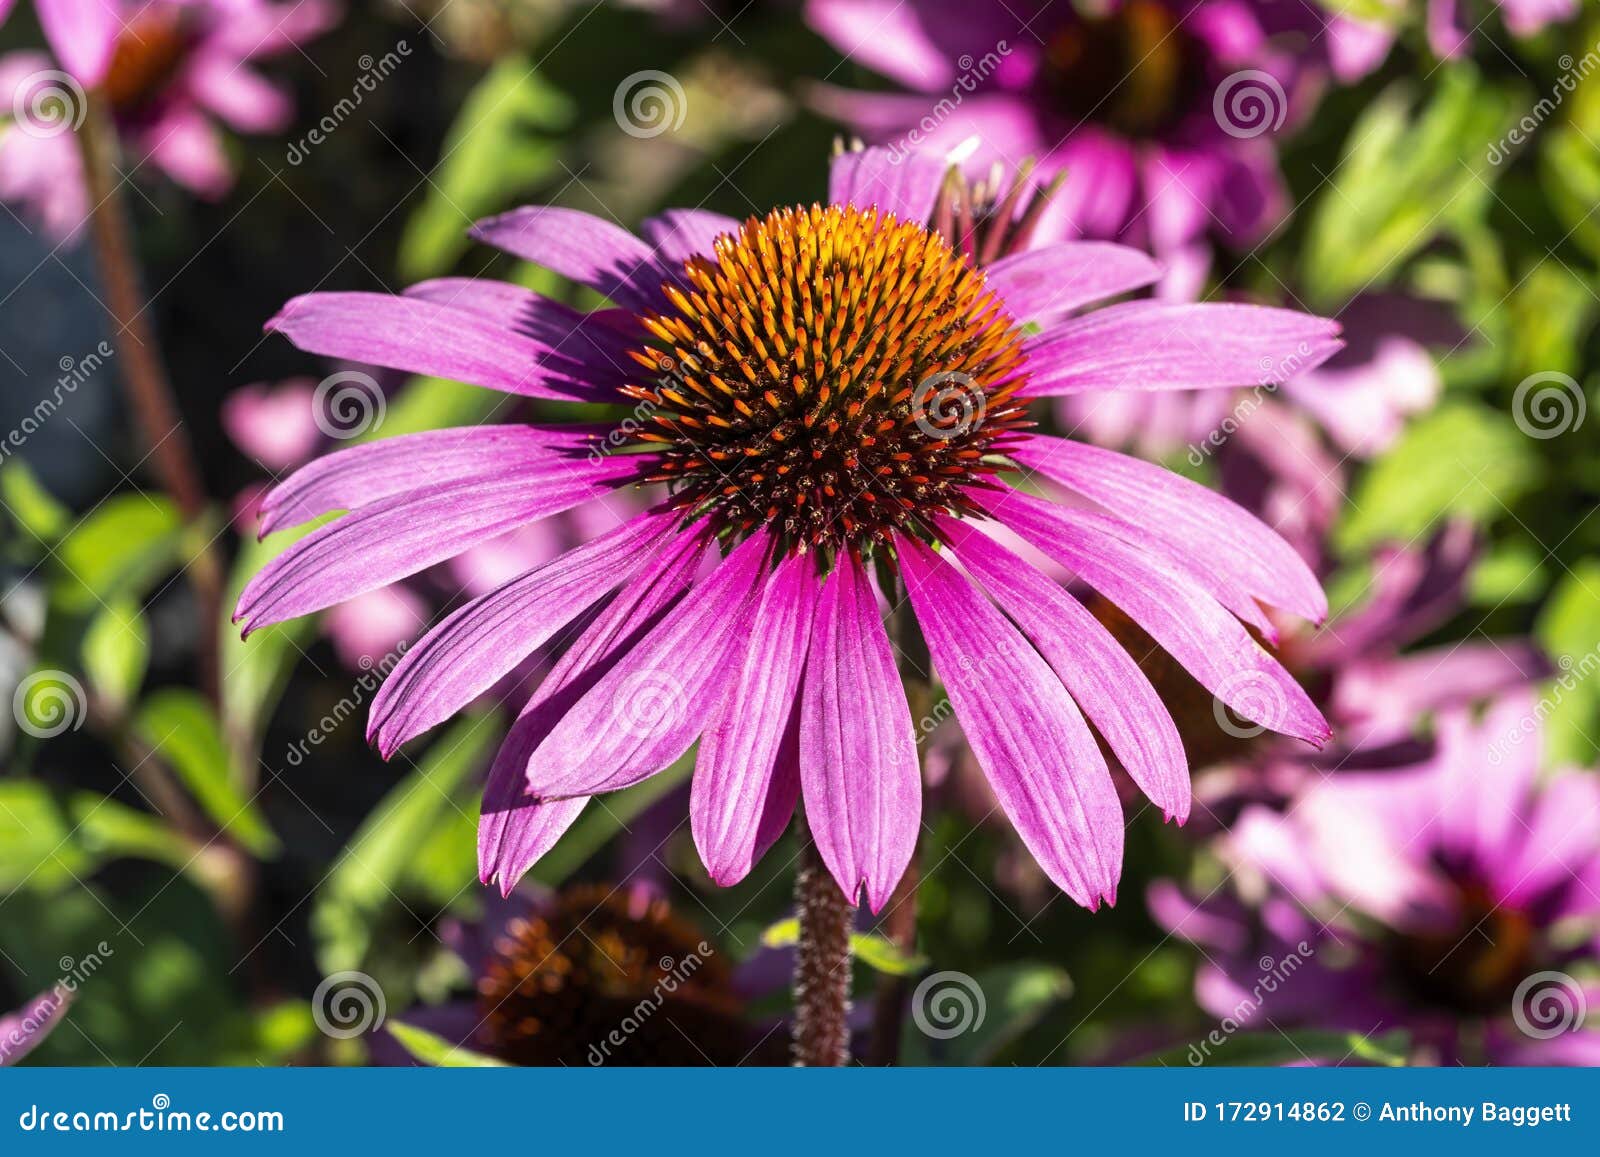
(821, 963)
(143, 375)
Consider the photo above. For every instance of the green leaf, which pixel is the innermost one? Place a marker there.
(116, 651)
(34, 507)
(432, 1049)
(374, 870)
(1569, 630)
(117, 552)
(968, 1020)
(877, 952)
(1461, 460)
(1403, 179)
(506, 139)
(180, 728)
(50, 842)
(1262, 1049)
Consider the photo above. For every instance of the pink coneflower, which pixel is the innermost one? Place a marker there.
(1162, 111)
(835, 401)
(169, 71)
(1458, 900)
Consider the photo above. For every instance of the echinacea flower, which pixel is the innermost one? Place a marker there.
(1459, 901)
(835, 401)
(593, 975)
(171, 70)
(1161, 110)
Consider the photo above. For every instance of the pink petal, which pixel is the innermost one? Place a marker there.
(1027, 733)
(1044, 285)
(398, 536)
(516, 828)
(580, 247)
(905, 184)
(591, 338)
(1187, 622)
(1097, 672)
(1151, 345)
(424, 337)
(1192, 522)
(649, 708)
(858, 752)
(742, 793)
(679, 234)
(82, 33)
(483, 641)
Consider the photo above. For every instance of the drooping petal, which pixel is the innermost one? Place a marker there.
(516, 828)
(580, 247)
(425, 337)
(1097, 672)
(858, 752)
(400, 535)
(479, 643)
(1044, 285)
(1151, 345)
(82, 34)
(1027, 733)
(1196, 523)
(358, 476)
(653, 704)
(737, 786)
(1187, 622)
(906, 186)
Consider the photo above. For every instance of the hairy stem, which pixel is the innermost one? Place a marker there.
(821, 963)
(143, 374)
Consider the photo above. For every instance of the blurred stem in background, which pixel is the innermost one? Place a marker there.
(145, 376)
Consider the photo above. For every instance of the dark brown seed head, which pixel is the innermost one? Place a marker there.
(147, 55)
(831, 374)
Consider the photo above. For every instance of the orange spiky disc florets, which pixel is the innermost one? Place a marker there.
(833, 374)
